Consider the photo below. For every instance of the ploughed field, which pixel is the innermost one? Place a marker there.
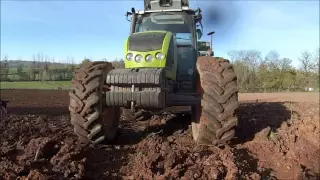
(277, 138)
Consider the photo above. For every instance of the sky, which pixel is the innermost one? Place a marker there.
(98, 29)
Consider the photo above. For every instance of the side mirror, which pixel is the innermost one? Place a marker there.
(127, 15)
(199, 33)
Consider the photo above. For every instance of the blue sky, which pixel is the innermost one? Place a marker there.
(98, 29)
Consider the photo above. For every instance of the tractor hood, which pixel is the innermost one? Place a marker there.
(146, 41)
(151, 49)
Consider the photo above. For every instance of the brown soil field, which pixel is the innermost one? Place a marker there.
(277, 138)
(281, 97)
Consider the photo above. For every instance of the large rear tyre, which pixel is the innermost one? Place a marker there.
(214, 121)
(92, 121)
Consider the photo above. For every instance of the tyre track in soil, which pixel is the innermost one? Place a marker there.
(41, 146)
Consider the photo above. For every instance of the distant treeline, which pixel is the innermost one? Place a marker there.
(41, 69)
(274, 74)
(255, 73)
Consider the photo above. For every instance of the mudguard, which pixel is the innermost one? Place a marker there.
(146, 87)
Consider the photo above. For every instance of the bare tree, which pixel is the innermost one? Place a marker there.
(20, 71)
(246, 63)
(236, 55)
(272, 55)
(306, 63)
(72, 67)
(4, 70)
(253, 58)
(45, 69)
(308, 67)
(40, 58)
(32, 68)
(285, 64)
(317, 60)
(272, 58)
(52, 74)
(5, 57)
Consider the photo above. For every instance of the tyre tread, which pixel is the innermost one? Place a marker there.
(86, 102)
(219, 101)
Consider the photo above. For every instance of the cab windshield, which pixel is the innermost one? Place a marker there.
(177, 23)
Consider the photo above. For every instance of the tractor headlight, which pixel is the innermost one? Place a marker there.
(149, 58)
(129, 56)
(159, 56)
(138, 58)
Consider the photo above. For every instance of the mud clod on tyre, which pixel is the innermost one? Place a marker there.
(214, 121)
(92, 121)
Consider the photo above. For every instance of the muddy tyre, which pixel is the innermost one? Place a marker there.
(92, 121)
(214, 121)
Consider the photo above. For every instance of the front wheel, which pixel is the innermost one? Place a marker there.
(214, 121)
(92, 121)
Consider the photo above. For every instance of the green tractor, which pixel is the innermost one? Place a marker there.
(162, 69)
